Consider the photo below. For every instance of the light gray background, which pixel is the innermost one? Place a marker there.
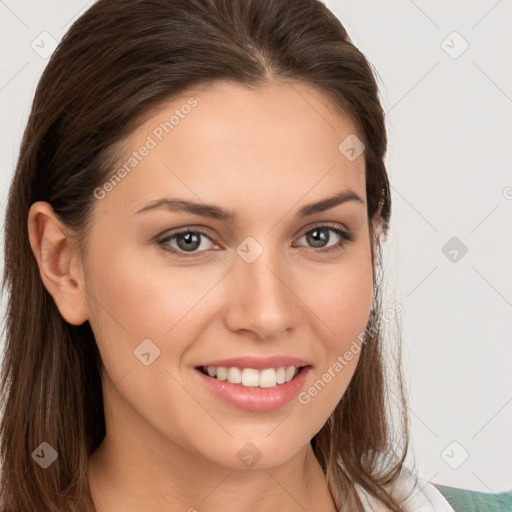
(449, 125)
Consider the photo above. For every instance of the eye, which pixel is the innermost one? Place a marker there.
(319, 236)
(187, 240)
(191, 241)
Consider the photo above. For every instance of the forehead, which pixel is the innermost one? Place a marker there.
(276, 143)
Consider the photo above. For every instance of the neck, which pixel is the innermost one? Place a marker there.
(145, 473)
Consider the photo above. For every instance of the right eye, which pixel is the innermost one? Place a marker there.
(187, 241)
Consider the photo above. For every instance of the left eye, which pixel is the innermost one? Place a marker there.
(189, 241)
(317, 236)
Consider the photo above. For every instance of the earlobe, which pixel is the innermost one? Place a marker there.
(56, 256)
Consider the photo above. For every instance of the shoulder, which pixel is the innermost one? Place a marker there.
(413, 493)
(463, 500)
(418, 495)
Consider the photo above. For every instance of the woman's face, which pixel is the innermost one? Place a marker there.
(169, 289)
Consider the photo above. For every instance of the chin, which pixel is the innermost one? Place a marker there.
(251, 451)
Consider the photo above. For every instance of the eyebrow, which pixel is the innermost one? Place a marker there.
(216, 212)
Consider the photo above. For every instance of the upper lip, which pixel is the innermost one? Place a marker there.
(258, 363)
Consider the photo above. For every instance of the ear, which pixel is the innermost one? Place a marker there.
(378, 222)
(59, 262)
(378, 228)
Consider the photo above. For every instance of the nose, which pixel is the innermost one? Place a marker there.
(261, 297)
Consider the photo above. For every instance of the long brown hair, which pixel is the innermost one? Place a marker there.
(119, 62)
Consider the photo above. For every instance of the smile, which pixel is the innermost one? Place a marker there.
(251, 389)
(250, 377)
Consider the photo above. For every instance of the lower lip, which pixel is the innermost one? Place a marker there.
(256, 398)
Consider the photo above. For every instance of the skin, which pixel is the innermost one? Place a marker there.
(170, 443)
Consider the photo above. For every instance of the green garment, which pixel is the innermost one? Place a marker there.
(463, 500)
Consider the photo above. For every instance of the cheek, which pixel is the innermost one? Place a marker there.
(135, 301)
(142, 299)
(352, 304)
(342, 301)
(341, 296)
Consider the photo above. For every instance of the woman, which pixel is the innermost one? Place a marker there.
(195, 319)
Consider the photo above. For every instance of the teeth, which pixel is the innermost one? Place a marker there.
(289, 374)
(249, 377)
(268, 378)
(234, 375)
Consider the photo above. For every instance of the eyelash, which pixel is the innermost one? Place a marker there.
(345, 238)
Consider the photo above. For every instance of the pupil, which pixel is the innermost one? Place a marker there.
(190, 238)
(318, 235)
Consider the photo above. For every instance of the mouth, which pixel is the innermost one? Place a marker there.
(251, 377)
(252, 389)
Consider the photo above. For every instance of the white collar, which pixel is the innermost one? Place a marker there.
(423, 496)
